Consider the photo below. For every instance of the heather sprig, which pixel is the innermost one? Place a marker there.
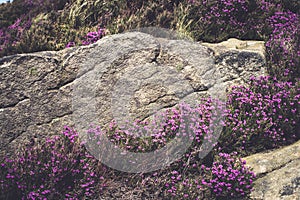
(93, 37)
(90, 38)
(229, 177)
(262, 116)
(58, 168)
(284, 44)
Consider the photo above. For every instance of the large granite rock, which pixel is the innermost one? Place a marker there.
(41, 92)
(278, 173)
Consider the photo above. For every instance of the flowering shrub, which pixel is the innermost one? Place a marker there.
(264, 115)
(229, 16)
(19, 19)
(10, 37)
(283, 46)
(194, 122)
(59, 168)
(180, 182)
(185, 121)
(229, 177)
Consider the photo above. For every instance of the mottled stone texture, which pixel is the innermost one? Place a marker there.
(278, 173)
(37, 90)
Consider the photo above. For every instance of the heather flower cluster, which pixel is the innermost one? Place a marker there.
(93, 37)
(194, 122)
(263, 115)
(183, 120)
(284, 43)
(10, 36)
(90, 38)
(229, 176)
(228, 13)
(276, 22)
(59, 168)
(216, 21)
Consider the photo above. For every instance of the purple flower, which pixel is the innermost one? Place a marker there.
(70, 44)
(15, 25)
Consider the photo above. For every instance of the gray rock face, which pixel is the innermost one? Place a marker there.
(278, 173)
(126, 75)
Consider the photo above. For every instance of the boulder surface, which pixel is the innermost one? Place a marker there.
(130, 75)
(278, 173)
